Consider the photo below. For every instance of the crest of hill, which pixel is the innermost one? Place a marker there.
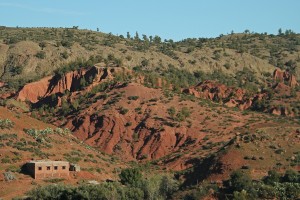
(47, 49)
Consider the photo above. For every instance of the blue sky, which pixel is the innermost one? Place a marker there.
(170, 19)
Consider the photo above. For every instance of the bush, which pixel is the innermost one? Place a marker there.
(6, 124)
(155, 187)
(272, 177)
(291, 176)
(130, 176)
(8, 176)
(133, 97)
(41, 55)
(64, 55)
(16, 70)
(167, 186)
(239, 181)
(123, 111)
(5, 160)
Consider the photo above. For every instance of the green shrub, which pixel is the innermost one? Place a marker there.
(133, 97)
(239, 181)
(291, 176)
(6, 124)
(123, 111)
(272, 177)
(64, 55)
(5, 160)
(130, 176)
(41, 55)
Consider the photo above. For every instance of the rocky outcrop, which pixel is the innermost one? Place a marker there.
(285, 77)
(33, 91)
(283, 111)
(230, 96)
(236, 97)
(215, 91)
(71, 81)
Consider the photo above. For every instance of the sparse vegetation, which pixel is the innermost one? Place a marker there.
(6, 124)
(147, 106)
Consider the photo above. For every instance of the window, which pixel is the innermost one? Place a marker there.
(40, 168)
(48, 167)
(55, 168)
(63, 167)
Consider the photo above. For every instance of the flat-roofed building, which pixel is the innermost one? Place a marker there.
(40, 169)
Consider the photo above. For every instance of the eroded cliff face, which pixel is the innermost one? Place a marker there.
(214, 91)
(283, 84)
(145, 138)
(70, 81)
(285, 76)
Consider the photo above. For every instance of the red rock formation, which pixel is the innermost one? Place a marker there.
(245, 105)
(218, 92)
(279, 75)
(285, 76)
(33, 91)
(231, 103)
(284, 111)
(109, 132)
(70, 81)
(293, 82)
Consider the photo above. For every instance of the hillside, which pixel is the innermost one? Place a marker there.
(19, 145)
(184, 118)
(31, 53)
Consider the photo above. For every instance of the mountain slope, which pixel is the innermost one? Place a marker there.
(30, 53)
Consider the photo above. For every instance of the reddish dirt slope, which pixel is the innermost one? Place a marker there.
(17, 148)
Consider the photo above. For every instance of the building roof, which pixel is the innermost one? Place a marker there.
(48, 162)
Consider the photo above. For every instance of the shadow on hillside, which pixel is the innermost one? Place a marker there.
(201, 170)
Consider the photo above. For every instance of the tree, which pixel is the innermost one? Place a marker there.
(128, 35)
(65, 107)
(130, 176)
(247, 31)
(145, 38)
(136, 37)
(168, 186)
(291, 176)
(240, 195)
(75, 104)
(280, 31)
(151, 38)
(272, 177)
(239, 181)
(157, 39)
